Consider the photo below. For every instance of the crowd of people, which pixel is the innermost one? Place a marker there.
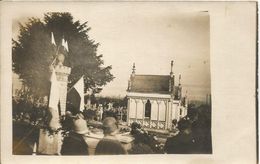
(99, 113)
(183, 139)
(75, 143)
(191, 134)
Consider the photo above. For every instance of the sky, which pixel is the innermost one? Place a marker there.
(149, 36)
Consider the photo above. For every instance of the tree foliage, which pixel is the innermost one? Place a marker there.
(33, 53)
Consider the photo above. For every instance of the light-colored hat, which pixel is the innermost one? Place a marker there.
(80, 126)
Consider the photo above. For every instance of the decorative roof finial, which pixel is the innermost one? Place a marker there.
(179, 79)
(171, 73)
(133, 72)
(129, 85)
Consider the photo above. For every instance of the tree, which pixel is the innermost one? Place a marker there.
(33, 53)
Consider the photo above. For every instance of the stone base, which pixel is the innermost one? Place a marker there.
(49, 144)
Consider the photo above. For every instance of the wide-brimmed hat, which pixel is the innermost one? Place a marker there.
(80, 126)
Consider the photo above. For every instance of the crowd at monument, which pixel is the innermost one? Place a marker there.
(70, 120)
(188, 135)
(99, 114)
(183, 139)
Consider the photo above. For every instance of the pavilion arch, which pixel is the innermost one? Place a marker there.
(148, 107)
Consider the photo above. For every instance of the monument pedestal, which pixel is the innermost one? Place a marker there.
(49, 144)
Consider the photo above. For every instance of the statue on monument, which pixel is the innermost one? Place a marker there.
(61, 59)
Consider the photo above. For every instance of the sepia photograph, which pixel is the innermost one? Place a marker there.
(137, 84)
(126, 80)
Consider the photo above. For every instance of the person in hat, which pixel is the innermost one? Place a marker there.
(183, 142)
(74, 143)
(109, 145)
(142, 143)
(174, 129)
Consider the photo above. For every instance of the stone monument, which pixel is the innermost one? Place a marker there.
(51, 143)
(62, 73)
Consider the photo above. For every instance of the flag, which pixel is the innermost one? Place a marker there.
(66, 46)
(79, 86)
(52, 39)
(63, 42)
(76, 96)
(54, 99)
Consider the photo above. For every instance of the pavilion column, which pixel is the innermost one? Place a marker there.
(170, 114)
(177, 113)
(136, 102)
(128, 108)
(143, 101)
(158, 113)
(166, 114)
(150, 119)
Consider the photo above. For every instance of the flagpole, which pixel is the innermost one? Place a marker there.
(56, 55)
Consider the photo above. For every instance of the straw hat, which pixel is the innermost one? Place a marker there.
(80, 126)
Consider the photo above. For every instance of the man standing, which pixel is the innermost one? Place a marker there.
(183, 142)
(74, 143)
(109, 145)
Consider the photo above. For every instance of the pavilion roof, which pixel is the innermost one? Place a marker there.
(150, 84)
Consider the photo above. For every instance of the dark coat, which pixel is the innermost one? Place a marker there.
(109, 146)
(141, 148)
(180, 144)
(146, 139)
(74, 144)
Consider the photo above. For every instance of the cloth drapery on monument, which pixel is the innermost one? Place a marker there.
(54, 101)
(48, 144)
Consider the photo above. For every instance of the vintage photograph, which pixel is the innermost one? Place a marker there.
(98, 82)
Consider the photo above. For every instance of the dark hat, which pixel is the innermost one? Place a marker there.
(135, 125)
(184, 124)
(174, 121)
